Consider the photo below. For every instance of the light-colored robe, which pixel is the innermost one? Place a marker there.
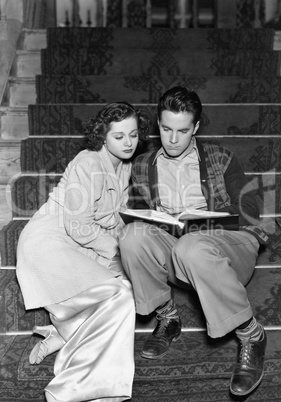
(69, 243)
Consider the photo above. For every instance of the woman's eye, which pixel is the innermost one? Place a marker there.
(119, 138)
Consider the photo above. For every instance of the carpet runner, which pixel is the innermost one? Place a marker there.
(196, 369)
(148, 87)
(217, 119)
(146, 38)
(85, 61)
(237, 76)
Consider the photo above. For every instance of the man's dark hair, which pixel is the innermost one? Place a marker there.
(179, 99)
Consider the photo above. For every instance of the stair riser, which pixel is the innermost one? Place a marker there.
(27, 64)
(148, 88)
(90, 61)
(33, 39)
(216, 120)
(5, 205)
(21, 93)
(14, 124)
(15, 318)
(30, 192)
(47, 155)
(9, 161)
(161, 38)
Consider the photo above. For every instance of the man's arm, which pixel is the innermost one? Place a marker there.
(243, 200)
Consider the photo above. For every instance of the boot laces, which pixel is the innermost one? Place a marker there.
(245, 354)
(164, 320)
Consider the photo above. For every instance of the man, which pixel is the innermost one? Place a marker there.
(182, 174)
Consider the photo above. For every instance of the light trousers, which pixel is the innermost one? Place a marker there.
(217, 264)
(97, 361)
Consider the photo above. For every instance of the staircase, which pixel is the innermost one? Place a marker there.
(62, 77)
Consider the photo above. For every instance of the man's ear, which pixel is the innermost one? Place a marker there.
(196, 127)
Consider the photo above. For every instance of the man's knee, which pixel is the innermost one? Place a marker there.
(133, 237)
(189, 246)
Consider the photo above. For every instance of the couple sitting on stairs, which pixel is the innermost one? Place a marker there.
(78, 260)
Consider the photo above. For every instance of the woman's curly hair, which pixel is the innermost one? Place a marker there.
(98, 127)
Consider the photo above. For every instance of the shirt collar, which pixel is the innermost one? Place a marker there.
(191, 146)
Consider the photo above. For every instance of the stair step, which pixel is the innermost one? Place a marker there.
(21, 91)
(147, 88)
(6, 205)
(27, 63)
(29, 192)
(230, 38)
(34, 39)
(87, 61)
(161, 38)
(9, 160)
(197, 367)
(261, 291)
(270, 255)
(51, 155)
(14, 123)
(217, 119)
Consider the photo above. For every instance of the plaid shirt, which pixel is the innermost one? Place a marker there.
(222, 183)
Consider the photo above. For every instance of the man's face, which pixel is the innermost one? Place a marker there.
(176, 131)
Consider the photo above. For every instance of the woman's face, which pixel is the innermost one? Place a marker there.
(122, 139)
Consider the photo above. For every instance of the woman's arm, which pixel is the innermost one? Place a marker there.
(83, 221)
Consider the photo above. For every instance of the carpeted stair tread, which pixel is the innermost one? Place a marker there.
(263, 290)
(14, 317)
(29, 192)
(146, 38)
(9, 235)
(270, 255)
(166, 61)
(195, 369)
(147, 88)
(264, 293)
(51, 155)
(216, 120)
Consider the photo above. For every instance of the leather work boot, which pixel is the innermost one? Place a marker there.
(167, 330)
(248, 372)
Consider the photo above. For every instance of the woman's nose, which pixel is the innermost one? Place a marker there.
(128, 141)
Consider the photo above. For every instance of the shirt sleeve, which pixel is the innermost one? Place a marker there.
(243, 200)
(83, 190)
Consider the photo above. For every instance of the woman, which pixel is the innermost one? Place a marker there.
(68, 262)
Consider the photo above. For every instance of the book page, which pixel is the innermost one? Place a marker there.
(200, 213)
(153, 215)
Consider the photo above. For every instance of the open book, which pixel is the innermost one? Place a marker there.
(187, 221)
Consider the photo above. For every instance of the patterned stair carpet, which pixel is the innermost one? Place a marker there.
(237, 75)
(264, 294)
(195, 369)
(85, 61)
(184, 39)
(148, 87)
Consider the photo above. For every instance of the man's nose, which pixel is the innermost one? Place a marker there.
(174, 137)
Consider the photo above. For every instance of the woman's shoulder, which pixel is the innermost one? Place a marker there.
(87, 158)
